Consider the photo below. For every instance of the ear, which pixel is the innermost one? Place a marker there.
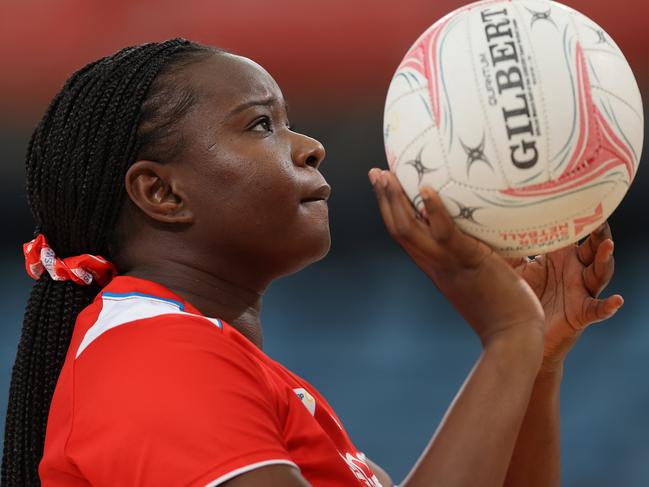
(153, 189)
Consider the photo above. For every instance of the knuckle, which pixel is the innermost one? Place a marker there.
(403, 229)
(393, 232)
(444, 236)
(445, 232)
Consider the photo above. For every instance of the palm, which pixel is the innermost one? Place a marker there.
(568, 282)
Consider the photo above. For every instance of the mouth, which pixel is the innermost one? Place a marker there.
(319, 194)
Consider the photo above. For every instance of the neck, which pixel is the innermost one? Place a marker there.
(212, 295)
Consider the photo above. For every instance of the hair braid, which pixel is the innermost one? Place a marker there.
(106, 115)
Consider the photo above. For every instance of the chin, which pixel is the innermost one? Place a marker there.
(326, 246)
(313, 251)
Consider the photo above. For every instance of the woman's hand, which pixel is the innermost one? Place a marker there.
(490, 295)
(473, 445)
(568, 283)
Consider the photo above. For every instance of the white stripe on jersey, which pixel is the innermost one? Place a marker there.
(119, 309)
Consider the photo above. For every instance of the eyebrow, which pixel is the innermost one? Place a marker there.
(271, 100)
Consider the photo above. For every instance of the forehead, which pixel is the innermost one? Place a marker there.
(225, 81)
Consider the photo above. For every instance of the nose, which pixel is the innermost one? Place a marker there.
(307, 151)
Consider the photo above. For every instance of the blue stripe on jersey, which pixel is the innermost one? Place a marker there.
(180, 305)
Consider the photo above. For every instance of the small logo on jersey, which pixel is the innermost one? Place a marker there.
(306, 398)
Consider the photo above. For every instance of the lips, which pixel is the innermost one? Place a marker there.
(320, 193)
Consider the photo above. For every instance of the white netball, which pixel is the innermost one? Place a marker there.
(526, 118)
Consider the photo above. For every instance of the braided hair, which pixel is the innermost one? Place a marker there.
(110, 113)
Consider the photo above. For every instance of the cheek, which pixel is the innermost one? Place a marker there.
(250, 192)
(273, 202)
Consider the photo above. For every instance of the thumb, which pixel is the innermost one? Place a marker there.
(595, 310)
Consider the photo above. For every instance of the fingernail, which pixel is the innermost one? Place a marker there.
(384, 179)
(372, 176)
(606, 256)
(615, 307)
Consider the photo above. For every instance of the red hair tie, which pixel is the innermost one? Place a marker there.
(82, 269)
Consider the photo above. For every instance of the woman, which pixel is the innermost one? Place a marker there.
(176, 162)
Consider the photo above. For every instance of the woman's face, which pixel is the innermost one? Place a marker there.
(252, 183)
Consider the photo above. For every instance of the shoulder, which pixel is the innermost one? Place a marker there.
(148, 369)
(124, 316)
(168, 395)
(136, 333)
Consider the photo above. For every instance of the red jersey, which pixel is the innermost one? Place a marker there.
(153, 393)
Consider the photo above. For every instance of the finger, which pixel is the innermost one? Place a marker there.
(603, 232)
(598, 275)
(595, 310)
(517, 261)
(406, 224)
(441, 224)
(588, 248)
(604, 264)
(384, 205)
(444, 230)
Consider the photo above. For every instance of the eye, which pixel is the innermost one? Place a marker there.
(261, 125)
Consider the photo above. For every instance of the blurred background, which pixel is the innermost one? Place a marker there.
(364, 325)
